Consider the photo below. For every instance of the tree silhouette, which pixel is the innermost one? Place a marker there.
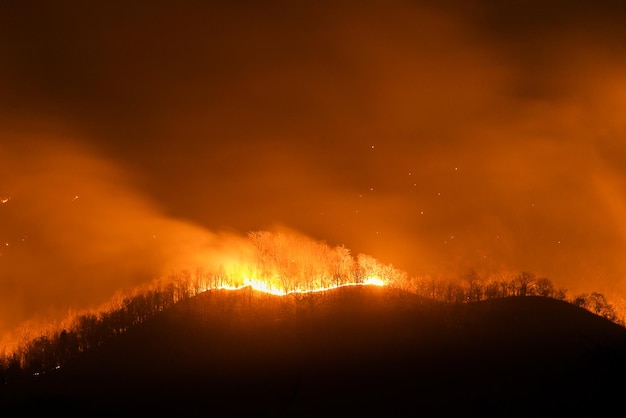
(544, 287)
(523, 283)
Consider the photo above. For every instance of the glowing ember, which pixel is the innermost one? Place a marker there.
(266, 287)
(374, 281)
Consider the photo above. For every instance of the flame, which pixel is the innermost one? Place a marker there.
(282, 264)
(266, 287)
(374, 281)
(273, 263)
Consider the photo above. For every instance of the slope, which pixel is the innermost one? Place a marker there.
(346, 352)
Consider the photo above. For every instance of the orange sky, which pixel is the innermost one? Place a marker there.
(436, 136)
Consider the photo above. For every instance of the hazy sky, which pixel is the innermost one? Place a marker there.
(433, 135)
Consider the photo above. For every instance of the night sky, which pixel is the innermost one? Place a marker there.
(437, 136)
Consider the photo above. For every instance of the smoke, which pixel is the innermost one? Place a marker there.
(435, 136)
(75, 230)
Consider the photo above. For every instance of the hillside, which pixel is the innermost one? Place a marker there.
(346, 352)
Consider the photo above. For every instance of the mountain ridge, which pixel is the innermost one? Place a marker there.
(347, 351)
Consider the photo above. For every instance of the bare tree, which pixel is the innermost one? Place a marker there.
(543, 287)
(474, 286)
(597, 303)
(522, 283)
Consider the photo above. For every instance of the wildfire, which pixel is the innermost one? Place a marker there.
(273, 263)
(374, 281)
(283, 264)
(266, 287)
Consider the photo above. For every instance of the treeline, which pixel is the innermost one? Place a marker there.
(282, 262)
(471, 287)
(55, 348)
(273, 262)
(289, 262)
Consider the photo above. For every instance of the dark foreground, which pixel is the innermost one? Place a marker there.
(357, 351)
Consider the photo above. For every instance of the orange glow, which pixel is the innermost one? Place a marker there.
(374, 281)
(275, 263)
(437, 136)
(265, 287)
(288, 263)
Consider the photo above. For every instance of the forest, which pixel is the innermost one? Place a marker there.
(292, 268)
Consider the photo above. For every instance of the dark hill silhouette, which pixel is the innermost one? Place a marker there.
(349, 352)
